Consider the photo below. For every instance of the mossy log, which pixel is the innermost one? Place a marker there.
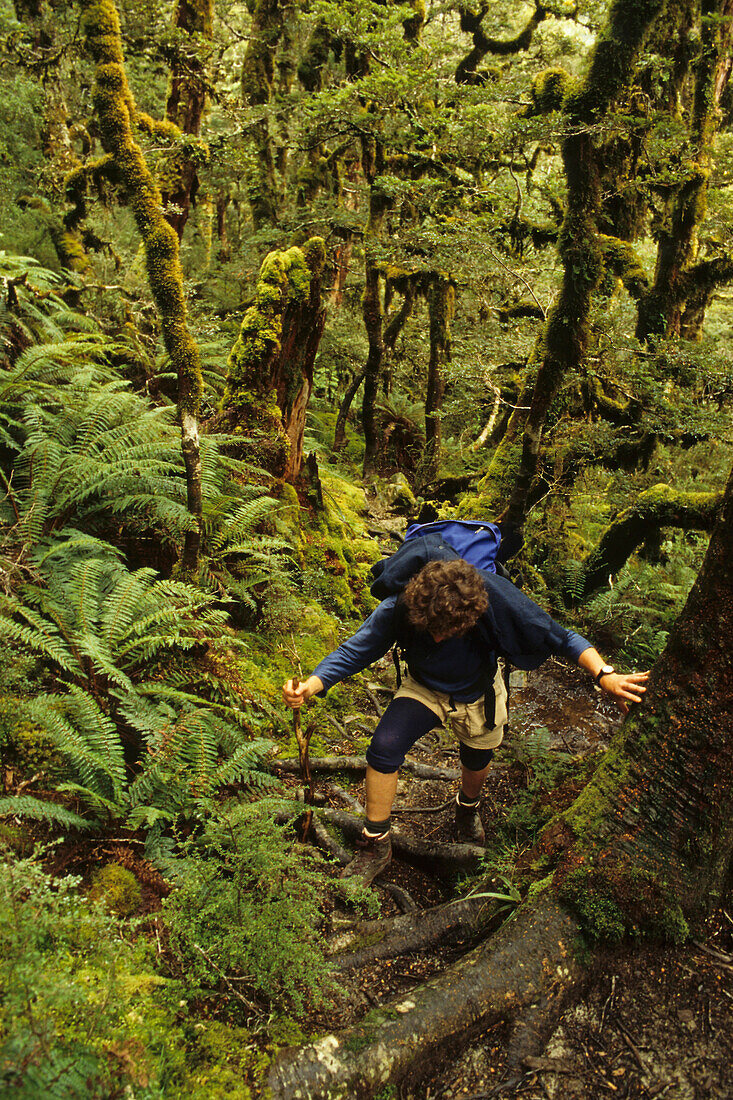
(530, 958)
(270, 375)
(116, 111)
(658, 507)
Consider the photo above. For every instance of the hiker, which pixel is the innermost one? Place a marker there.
(451, 622)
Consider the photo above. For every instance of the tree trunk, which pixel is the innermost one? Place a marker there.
(441, 299)
(662, 308)
(339, 434)
(258, 75)
(373, 314)
(654, 509)
(270, 374)
(566, 332)
(116, 111)
(186, 104)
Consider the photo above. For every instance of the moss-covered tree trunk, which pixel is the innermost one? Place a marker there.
(441, 301)
(258, 76)
(655, 825)
(677, 279)
(645, 850)
(654, 509)
(566, 331)
(186, 104)
(116, 111)
(271, 365)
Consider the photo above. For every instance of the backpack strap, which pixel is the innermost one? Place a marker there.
(400, 627)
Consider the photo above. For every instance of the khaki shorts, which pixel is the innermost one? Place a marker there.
(466, 719)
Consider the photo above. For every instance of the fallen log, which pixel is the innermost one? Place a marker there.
(436, 856)
(416, 931)
(529, 960)
(327, 765)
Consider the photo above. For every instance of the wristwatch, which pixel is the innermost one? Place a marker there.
(605, 670)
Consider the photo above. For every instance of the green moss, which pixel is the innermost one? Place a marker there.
(615, 899)
(227, 1065)
(548, 91)
(117, 888)
(284, 279)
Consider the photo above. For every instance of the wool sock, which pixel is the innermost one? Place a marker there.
(376, 830)
(464, 800)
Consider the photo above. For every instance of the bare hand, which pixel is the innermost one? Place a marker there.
(296, 696)
(625, 688)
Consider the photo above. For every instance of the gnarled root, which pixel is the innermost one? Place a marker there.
(416, 931)
(529, 959)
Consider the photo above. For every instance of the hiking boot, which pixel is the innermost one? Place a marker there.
(469, 828)
(375, 854)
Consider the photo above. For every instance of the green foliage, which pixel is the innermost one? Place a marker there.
(245, 919)
(82, 1012)
(111, 640)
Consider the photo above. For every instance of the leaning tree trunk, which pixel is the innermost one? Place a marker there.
(270, 374)
(116, 111)
(645, 849)
(656, 508)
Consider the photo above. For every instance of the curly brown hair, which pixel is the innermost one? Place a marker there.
(446, 598)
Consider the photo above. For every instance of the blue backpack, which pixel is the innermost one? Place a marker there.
(481, 543)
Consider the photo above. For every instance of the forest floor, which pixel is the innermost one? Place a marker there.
(654, 1021)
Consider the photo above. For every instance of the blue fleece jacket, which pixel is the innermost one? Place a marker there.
(514, 627)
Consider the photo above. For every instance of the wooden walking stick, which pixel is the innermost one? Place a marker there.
(303, 740)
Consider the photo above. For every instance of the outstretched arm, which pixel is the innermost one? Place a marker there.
(624, 688)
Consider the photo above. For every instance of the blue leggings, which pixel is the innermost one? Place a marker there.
(403, 723)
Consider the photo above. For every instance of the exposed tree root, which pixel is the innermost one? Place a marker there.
(320, 836)
(529, 961)
(416, 931)
(440, 858)
(327, 765)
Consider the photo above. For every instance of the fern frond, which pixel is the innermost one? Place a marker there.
(22, 805)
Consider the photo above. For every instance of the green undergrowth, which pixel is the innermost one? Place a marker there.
(90, 1008)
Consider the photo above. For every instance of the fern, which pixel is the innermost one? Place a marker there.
(21, 805)
(98, 627)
